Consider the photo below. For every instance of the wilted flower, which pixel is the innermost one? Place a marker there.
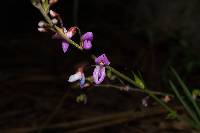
(79, 76)
(69, 34)
(87, 40)
(99, 71)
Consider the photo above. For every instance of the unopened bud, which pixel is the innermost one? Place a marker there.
(71, 32)
(65, 30)
(41, 24)
(52, 2)
(72, 29)
(138, 82)
(42, 30)
(53, 14)
(166, 99)
(125, 88)
(54, 21)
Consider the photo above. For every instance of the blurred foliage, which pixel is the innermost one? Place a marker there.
(187, 100)
(82, 98)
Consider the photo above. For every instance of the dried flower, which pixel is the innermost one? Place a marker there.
(78, 76)
(99, 71)
(87, 40)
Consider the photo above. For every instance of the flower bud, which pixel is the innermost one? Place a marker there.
(70, 32)
(53, 13)
(42, 30)
(41, 24)
(54, 21)
(138, 82)
(52, 2)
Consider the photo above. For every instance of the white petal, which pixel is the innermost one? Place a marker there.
(75, 77)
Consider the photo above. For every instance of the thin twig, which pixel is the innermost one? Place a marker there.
(133, 89)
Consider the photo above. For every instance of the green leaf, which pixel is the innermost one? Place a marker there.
(89, 78)
(172, 115)
(138, 82)
(110, 75)
(187, 108)
(195, 93)
(187, 92)
(193, 124)
(81, 99)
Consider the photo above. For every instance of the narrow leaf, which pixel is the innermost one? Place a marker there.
(187, 108)
(187, 92)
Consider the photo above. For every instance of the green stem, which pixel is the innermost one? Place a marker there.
(119, 74)
(58, 30)
(145, 90)
(45, 15)
(134, 89)
(159, 101)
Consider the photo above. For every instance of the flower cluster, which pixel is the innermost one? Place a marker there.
(86, 39)
(99, 72)
(54, 24)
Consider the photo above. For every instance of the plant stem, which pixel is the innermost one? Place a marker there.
(146, 90)
(46, 17)
(119, 74)
(134, 89)
(58, 30)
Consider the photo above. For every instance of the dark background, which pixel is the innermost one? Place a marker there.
(144, 35)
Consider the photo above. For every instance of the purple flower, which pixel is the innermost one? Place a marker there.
(102, 59)
(69, 34)
(65, 46)
(79, 76)
(87, 40)
(99, 71)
